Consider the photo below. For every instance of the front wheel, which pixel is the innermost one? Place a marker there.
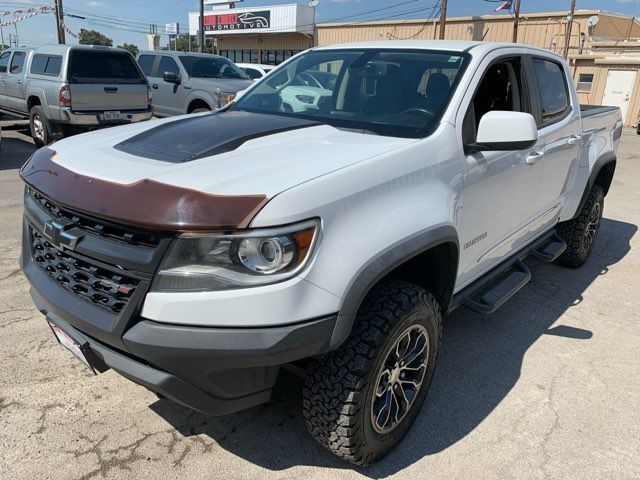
(360, 400)
(580, 233)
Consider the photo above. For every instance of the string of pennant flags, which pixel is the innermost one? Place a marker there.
(22, 14)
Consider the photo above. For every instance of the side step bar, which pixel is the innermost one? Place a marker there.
(492, 290)
(550, 250)
(488, 299)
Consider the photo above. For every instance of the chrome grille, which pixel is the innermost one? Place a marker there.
(105, 288)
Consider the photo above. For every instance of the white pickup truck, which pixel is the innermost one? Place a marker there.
(197, 255)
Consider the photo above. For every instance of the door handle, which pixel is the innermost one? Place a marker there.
(18, 82)
(533, 157)
(154, 86)
(573, 140)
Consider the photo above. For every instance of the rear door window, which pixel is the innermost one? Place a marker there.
(552, 88)
(46, 65)
(103, 67)
(17, 62)
(146, 63)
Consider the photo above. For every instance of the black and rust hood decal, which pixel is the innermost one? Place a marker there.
(202, 136)
(145, 204)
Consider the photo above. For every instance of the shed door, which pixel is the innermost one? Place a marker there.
(617, 91)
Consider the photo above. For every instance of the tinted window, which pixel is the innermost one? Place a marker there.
(252, 73)
(167, 64)
(103, 67)
(211, 67)
(17, 62)
(46, 65)
(54, 64)
(554, 98)
(4, 61)
(146, 63)
(375, 91)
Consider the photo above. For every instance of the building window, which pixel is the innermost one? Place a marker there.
(585, 81)
(276, 57)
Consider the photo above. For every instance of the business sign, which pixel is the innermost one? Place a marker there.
(251, 20)
(172, 29)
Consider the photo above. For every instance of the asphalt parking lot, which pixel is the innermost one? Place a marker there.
(548, 387)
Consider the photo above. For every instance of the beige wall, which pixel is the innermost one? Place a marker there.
(544, 30)
(600, 73)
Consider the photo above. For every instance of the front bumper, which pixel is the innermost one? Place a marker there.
(213, 370)
(94, 119)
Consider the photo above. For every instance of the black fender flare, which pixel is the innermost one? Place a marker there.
(607, 164)
(379, 266)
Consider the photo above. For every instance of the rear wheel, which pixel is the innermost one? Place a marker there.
(580, 233)
(360, 400)
(40, 126)
(200, 110)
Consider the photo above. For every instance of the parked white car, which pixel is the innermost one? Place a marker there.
(255, 71)
(197, 255)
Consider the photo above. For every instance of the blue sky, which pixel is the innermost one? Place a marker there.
(137, 14)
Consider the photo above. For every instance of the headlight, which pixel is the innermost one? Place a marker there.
(306, 98)
(201, 262)
(224, 98)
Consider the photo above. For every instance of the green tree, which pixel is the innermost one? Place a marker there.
(93, 37)
(131, 47)
(183, 42)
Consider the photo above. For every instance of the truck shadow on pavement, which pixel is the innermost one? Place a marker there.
(480, 362)
(15, 152)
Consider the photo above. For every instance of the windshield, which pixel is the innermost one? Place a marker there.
(387, 92)
(211, 67)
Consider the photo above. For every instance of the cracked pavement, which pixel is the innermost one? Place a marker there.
(548, 387)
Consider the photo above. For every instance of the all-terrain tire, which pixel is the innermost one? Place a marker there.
(580, 233)
(340, 388)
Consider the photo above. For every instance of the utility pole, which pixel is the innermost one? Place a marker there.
(632, 21)
(59, 21)
(443, 17)
(516, 19)
(567, 35)
(201, 28)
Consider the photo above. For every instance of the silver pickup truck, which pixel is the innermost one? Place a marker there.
(191, 82)
(63, 87)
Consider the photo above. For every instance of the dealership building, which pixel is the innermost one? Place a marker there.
(604, 47)
(268, 35)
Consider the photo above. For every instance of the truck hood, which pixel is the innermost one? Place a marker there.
(190, 172)
(226, 85)
(234, 153)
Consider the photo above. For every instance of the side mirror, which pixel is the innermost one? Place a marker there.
(503, 130)
(240, 93)
(171, 77)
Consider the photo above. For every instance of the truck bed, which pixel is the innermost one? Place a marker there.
(589, 110)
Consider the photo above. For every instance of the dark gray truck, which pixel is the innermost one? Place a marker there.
(61, 88)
